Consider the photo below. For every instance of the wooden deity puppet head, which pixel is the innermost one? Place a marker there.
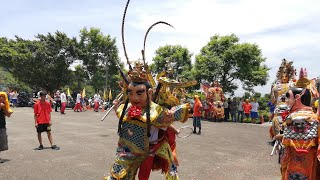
(139, 90)
(300, 95)
(286, 71)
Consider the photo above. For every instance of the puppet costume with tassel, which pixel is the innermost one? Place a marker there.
(301, 136)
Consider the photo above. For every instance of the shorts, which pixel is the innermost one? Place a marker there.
(254, 115)
(247, 115)
(3, 139)
(43, 127)
(14, 101)
(197, 121)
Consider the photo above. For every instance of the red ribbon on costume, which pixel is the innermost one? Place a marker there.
(134, 111)
(284, 114)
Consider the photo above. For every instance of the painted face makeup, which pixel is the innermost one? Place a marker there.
(137, 95)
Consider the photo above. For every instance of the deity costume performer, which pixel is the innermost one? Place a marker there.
(300, 134)
(166, 95)
(285, 81)
(215, 98)
(141, 145)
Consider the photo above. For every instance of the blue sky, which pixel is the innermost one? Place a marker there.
(282, 29)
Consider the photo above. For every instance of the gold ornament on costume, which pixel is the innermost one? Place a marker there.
(303, 81)
(138, 72)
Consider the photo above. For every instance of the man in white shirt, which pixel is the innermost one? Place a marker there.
(63, 102)
(96, 100)
(78, 103)
(254, 111)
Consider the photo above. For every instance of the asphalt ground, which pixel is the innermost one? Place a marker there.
(223, 151)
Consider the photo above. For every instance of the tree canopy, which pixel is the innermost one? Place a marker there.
(229, 62)
(40, 63)
(180, 56)
(45, 62)
(99, 55)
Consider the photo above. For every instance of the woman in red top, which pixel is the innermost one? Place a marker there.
(197, 108)
(247, 109)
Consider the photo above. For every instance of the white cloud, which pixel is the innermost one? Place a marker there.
(280, 28)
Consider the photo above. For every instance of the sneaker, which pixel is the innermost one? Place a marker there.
(55, 147)
(199, 132)
(40, 147)
(194, 132)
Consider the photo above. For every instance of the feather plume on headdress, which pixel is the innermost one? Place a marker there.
(286, 68)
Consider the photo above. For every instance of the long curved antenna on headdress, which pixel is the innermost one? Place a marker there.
(122, 33)
(146, 35)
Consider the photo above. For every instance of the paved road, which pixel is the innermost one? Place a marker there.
(222, 151)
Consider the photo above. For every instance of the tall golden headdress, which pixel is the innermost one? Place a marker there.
(286, 68)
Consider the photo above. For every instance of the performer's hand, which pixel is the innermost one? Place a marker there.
(36, 125)
(168, 116)
(278, 137)
(2, 105)
(116, 103)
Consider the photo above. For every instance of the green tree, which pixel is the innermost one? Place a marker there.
(178, 55)
(226, 60)
(8, 81)
(99, 55)
(41, 63)
(246, 95)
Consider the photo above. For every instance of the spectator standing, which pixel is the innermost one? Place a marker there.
(246, 106)
(78, 105)
(254, 111)
(42, 120)
(240, 111)
(233, 109)
(63, 102)
(226, 109)
(271, 110)
(14, 98)
(57, 99)
(96, 100)
(197, 114)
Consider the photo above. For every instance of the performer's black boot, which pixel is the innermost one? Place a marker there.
(194, 130)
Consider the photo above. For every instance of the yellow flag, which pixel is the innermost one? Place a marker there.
(104, 95)
(110, 95)
(68, 92)
(84, 92)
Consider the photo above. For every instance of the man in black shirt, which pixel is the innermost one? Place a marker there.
(4, 111)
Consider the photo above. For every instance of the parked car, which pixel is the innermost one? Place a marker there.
(24, 99)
